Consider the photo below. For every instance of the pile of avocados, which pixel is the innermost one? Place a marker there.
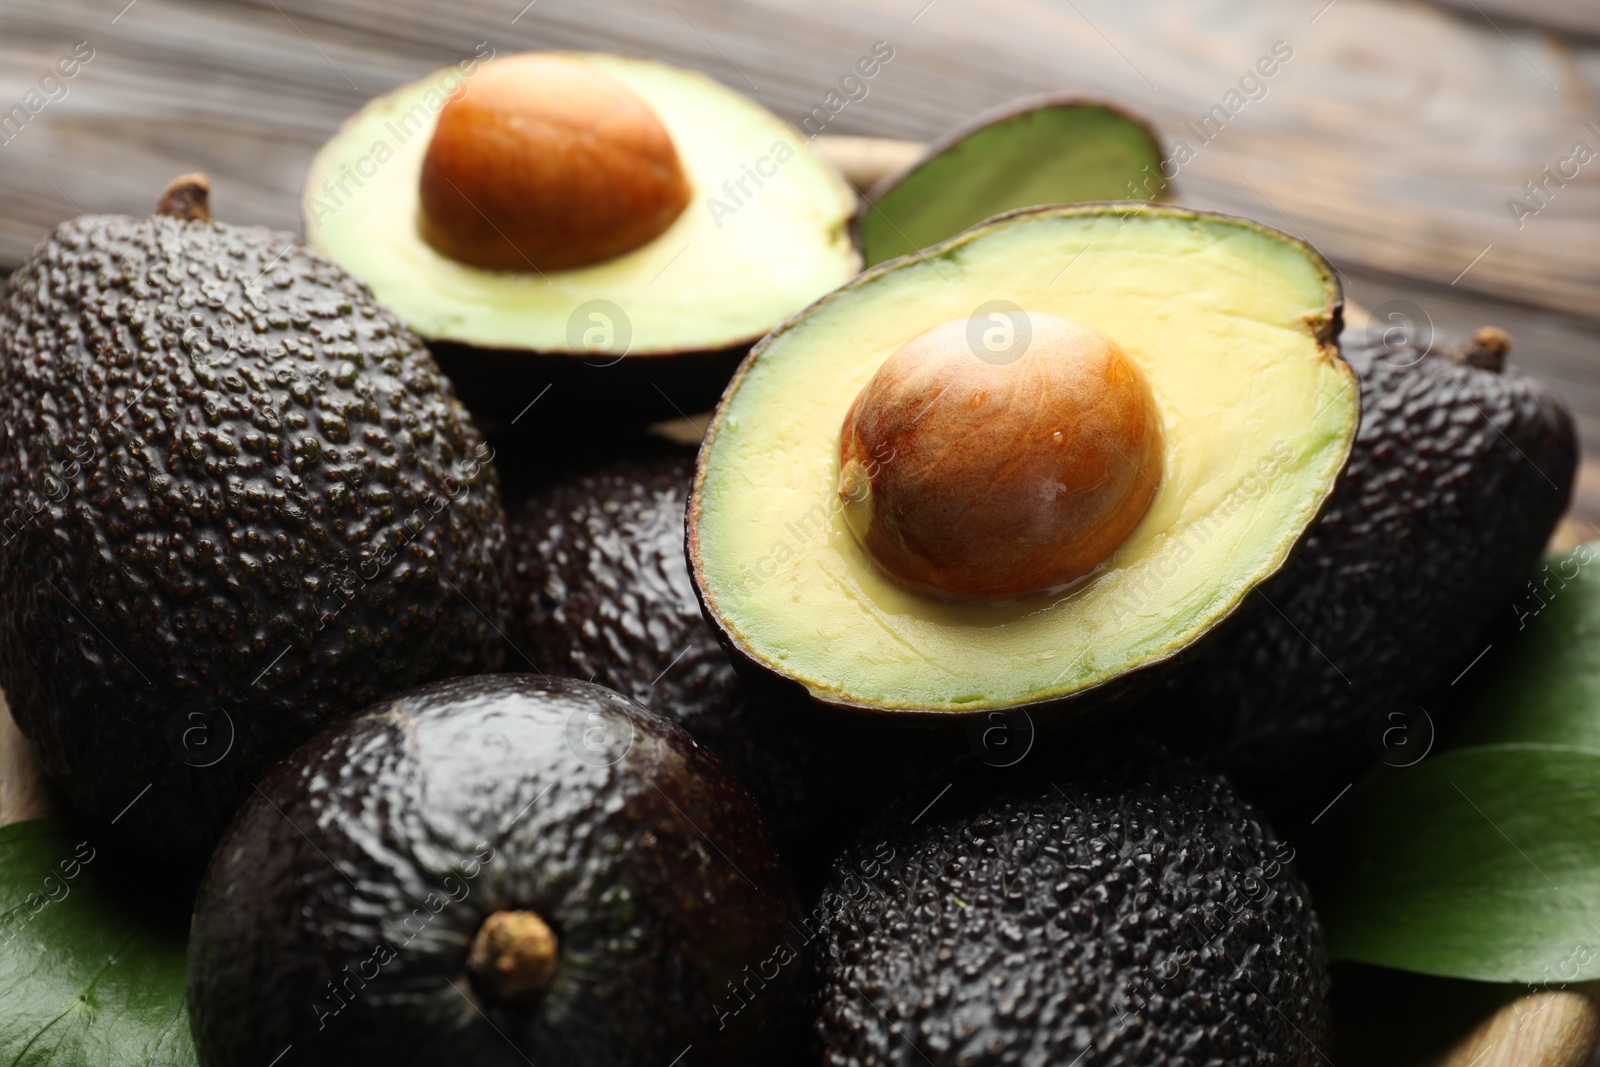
(954, 698)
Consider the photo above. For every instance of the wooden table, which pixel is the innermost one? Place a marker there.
(1394, 140)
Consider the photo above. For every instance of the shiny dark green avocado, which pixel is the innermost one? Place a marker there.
(497, 870)
(601, 590)
(239, 501)
(1461, 470)
(1135, 912)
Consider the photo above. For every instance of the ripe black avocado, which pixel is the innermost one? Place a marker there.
(1129, 911)
(239, 500)
(601, 590)
(1460, 471)
(499, 870)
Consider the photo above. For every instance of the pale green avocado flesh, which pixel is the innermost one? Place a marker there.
(765, 232)
(1052, 152)
(1233, 325)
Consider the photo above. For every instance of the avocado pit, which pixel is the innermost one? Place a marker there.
(513, 953)
(972, 477)
(547, 163)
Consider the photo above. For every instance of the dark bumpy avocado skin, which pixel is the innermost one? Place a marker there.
(435, 809)
(602, 590)
(239, 501)
(1458, 475)
(1137, 913)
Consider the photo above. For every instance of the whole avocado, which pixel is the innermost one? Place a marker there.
(496, 870)
(1460, 471)
(239, 501)
(1134, 912)
(601, 590)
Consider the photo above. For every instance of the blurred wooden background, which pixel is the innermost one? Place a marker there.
(1393, 139)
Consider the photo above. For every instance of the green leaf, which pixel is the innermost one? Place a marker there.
(86, 977)
(1040, 151)
(1479, 863)
(1545, 685)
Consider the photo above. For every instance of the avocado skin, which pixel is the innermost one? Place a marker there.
(436, 808)
(1457, 478)
(601, 590)
(181, 513)
(1132, 910)
(592, 397)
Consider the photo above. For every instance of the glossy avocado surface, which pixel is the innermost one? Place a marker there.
(1131, 911)
(240, 501)
(344, 910)
(601, 590)
(1461, 469)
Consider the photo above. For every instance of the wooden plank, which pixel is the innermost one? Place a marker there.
(1551, 1028)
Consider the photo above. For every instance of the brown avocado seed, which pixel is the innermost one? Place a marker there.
(514, 953)
(971, 477)
(545, 162)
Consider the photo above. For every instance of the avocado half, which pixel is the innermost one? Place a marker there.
(1234, 326)
(1049, 149)
(651, 333)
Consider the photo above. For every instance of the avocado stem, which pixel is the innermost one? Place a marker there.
(187, 197)
(514, 953)
(1487, 349)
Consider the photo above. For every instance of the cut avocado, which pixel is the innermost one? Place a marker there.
(658, 328)
(1134, 913)
(501, 869)
(1232, 325)
(240, 502)
(1043, 150)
